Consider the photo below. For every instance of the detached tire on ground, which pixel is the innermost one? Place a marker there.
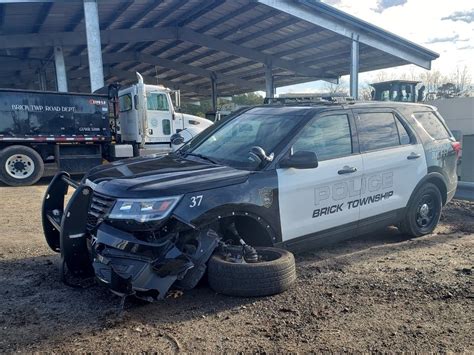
(20, 166)
(263, 278)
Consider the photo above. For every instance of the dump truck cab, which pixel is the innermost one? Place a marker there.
(398, 91)
(149, 114)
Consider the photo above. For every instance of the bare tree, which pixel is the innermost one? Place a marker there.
(337, 89)
(383, 75)
(365, 92)
(461, 77)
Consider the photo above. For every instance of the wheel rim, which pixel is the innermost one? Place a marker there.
(426, 211)
(267, 255)
(20, 166)
(264, 256)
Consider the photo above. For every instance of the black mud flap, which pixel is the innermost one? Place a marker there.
(65, 228)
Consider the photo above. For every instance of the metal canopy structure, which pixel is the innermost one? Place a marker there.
(232, 46)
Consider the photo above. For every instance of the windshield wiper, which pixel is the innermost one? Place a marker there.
(202, 157)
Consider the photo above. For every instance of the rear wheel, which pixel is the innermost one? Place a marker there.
(274, 273)
(423, 212)
(20, 166)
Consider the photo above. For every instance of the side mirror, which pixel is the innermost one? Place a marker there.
(300, 160)
(177, 139)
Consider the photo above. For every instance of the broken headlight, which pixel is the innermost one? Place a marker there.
(143, 210)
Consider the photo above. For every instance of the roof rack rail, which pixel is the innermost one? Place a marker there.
(310, 99)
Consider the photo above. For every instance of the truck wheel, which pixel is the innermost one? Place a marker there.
(20, 166)
(275, 273)
(423, 212)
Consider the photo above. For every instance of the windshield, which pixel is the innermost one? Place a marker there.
(231, 143)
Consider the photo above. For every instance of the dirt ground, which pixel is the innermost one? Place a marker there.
(381, 292)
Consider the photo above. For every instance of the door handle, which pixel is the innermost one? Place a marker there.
(413, 156)
(347, 170)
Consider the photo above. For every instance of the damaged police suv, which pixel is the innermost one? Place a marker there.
(231, 201)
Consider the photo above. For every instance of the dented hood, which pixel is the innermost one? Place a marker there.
(161, 175)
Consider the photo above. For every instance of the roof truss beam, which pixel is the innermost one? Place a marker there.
(113, 58)
(345, 29)
(240, 51)
(65, 39)
(152, 34)
(153, 80)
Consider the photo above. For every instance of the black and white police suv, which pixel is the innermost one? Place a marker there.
(236, 197)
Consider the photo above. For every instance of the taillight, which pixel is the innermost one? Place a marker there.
(456, 147)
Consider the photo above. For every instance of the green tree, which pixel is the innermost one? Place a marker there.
(251, 98)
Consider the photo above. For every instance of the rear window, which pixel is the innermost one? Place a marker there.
(377, 130)
(432, 125)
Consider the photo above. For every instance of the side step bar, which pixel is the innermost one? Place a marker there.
(65, 227)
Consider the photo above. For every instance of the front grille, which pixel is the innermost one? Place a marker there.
(100, 207)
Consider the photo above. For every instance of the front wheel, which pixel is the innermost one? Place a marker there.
(20, 166)
(274, 273)
(423, 212)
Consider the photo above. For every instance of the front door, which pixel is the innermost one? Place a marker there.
(159, 118)
(319, 199)
(394, 163)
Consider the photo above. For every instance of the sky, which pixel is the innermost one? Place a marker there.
(446, 27)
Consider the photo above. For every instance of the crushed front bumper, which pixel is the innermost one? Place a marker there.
(126, 264)
(132, 266)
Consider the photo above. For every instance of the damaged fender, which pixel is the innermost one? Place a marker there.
(132, 266)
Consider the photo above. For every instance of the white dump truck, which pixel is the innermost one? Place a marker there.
(149, 115)
(49, 131)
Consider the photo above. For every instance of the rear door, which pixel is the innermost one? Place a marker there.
(317, 200)
(394, 162)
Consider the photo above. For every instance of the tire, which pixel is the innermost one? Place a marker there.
(20, 166)
(253, 279)
(423, 212)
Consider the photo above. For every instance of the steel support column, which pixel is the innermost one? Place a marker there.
(94, 48)
(269, 86)
(214, 93)
(61, 78)
(354, 70)
(42, 80)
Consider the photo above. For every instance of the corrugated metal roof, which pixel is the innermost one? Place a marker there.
(272, 32)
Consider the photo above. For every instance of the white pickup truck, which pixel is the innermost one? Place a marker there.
(148, 116)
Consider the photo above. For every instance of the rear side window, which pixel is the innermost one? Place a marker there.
(377, 130)
(432, 125)
(327, 136)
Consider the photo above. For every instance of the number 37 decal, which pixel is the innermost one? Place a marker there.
(196, 201)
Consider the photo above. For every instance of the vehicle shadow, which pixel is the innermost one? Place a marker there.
(38, 309)
(384, 243)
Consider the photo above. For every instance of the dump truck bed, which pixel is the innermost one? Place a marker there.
(53, 116)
